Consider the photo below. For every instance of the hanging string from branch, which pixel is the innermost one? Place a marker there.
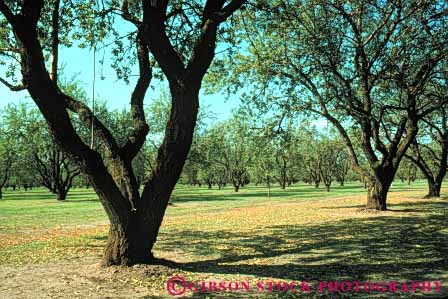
(92, 135)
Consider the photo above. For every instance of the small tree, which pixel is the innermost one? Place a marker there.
(407, 171)
(327, 155)
(233, 149)
(7, 156)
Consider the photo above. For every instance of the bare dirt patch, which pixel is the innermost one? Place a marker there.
(78, 278)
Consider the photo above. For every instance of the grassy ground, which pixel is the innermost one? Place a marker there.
(298, 234)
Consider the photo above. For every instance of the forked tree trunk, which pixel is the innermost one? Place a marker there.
(133, 232)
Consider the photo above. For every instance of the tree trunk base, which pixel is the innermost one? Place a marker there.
(434, 190)
(377, 204)
(121, 252)
(377, 196)
(432, 195)
(131, 242)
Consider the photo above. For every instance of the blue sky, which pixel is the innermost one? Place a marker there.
(79, 63)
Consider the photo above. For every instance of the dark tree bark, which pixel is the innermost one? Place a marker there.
(377, 194)
(380, 183)
(327, 179)
(433, 188)
(61, 195)
(237, 177)
(326, 175)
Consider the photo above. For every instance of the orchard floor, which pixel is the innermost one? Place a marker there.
(50, 249)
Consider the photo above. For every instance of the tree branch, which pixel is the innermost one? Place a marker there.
(13, 87)
(138, 136)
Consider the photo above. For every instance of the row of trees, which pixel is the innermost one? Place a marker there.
(230, 151)
(30, 156)
(236, 152)
(233, 151)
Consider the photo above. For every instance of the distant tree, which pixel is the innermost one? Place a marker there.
(407, 171)
(286, 155)
(310, 157)
(342, 165)
(263, 168)
(233, 149)
(39, 154)
(7, 155)
(327, 154)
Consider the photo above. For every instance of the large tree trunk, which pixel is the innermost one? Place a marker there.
(433, 188)
(61, 195)
(377, 193)
(131, 240)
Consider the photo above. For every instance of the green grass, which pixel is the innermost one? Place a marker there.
(301, 233)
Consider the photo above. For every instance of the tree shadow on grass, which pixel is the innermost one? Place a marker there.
(422, 206)
(381, 248)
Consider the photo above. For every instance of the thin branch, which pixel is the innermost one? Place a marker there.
(13, 87)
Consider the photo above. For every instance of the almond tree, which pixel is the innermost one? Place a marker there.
(364, 66)
(7, 156)
(135, 217)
